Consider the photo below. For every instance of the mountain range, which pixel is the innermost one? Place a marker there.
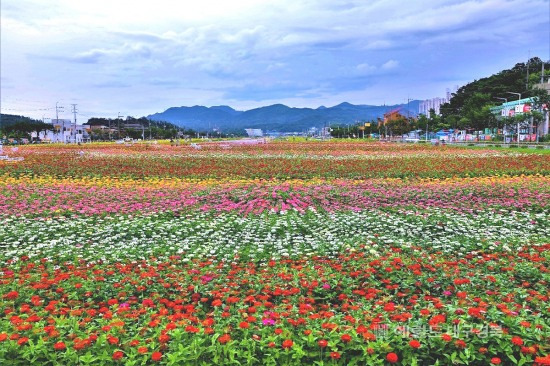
(276, 117)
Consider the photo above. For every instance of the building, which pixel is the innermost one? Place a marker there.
(435, 103)
(64, 131)
(517, 107)
(254, 132)
(393, 115)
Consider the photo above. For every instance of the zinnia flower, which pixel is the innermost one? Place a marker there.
(392, 357)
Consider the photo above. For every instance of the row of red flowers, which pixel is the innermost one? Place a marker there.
(408, 305)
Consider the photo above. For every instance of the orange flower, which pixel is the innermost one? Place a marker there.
(287, 343)
(224, 338)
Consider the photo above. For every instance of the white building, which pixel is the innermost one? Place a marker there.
(254, 132)
(64, 131)
(428, 104)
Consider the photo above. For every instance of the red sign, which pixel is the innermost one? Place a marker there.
(511, 112)
(526, 108)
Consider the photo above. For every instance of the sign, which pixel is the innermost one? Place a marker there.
(362, 128)
(367, 124)
(526, 108)
(519, 108)
(511, 112)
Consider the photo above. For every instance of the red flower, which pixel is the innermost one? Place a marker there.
(495, 361)
(460, 343)
(156, 356)
(517, 341)
(117, 355)
(3, 337)
(335, 355)
(414, 343)
(217, 302)
(322, 343)
(287, 343)
(224, 338)
(542, 360)
(446, 337)
(12, 295)
(22, 341)
(59, 346)
(278, 331)
(271, 344)
(163, 338)
(142, 350)
(345, 338)
(392, 357)
(244, 325)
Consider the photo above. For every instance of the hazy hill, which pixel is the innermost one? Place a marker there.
(277, 117)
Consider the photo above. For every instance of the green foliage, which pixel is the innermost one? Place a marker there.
(19, 126)
(469, 106)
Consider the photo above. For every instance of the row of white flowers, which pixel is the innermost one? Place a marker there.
(225, 236)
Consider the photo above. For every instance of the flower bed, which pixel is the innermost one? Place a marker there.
(348, 254)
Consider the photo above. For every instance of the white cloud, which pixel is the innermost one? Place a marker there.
(390, 64)
(318, 51)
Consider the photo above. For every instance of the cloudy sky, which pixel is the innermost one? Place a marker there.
(141, 57)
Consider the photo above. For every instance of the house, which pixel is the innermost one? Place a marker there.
(64, 131)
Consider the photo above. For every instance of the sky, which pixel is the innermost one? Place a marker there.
(141, 57)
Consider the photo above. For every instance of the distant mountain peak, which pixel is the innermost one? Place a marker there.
(275, 117)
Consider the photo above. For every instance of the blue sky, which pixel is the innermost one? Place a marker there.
(138, 58)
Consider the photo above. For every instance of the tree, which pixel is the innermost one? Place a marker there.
(423, 123)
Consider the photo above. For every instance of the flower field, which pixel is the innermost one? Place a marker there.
(325, 253)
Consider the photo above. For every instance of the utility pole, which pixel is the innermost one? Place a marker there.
(118, 120)
(527, 79)
(57, 109)
(519, 98)
(74, 114)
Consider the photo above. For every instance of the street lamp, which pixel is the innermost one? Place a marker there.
(504, 125)
(519, 98)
